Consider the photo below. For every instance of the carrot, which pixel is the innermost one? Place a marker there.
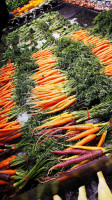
(45, 95)
(53, 102)
(89, 156)
(79, 164)
(10, 129)
(71, 151)
(85, 147)
(64, 159)
(11, 138)
(47, 132)
(5, 177)
(7, 161)
(57, 80)
(49, 97)
(47, 61)
(10, 171)
(69, 133)
(96, 49)
(106, 58)
(86, 140)
(70, 102)
(60, 104)
(9, 124)
(49, 73)
(103, 51)
(44, 74)
(5, 87)
(57, 123)
(93, 41)
(5, 111)
(5, 119)
(102, 139)
(46, 67)
(9, 103)
(49, 78)
(84, 133)
(46, 103)
(3, 94)
(7, 95)
(78, 127)
(3, 182)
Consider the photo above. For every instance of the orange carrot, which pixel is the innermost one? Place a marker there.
(4, 182)
(84, 133)
(10, 129)
(102, 139)
(10, 139)
(56, 123)
(7, 161)
(49, 78)
(78, 127)
(85, 140)
(70, 102)
(10, 171)
(50, 102)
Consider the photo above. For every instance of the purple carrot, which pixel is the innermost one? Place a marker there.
(48, 178)
(71, 135)
(59, 129)
(91, 155)
(72, 151)
(66, 136)
(41, 132)
(51, 133)
(90, 162)
(54, 131)
(5, 177)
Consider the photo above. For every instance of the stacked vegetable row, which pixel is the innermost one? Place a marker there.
(31, 4)
(50, 95)
(91, 4)
(8, 128)
(102, 49)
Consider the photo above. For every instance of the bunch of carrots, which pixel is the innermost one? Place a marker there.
(78, 156)
(101, 48)
(10, 174)
(49, 95)
(8, 129)
(64, 125)
(31, 4)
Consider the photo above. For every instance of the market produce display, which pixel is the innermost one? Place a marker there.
(31, 4)
(96, 5)
(30, 14)
(61, 82)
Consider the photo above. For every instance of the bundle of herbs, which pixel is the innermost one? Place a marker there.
(102, 24)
